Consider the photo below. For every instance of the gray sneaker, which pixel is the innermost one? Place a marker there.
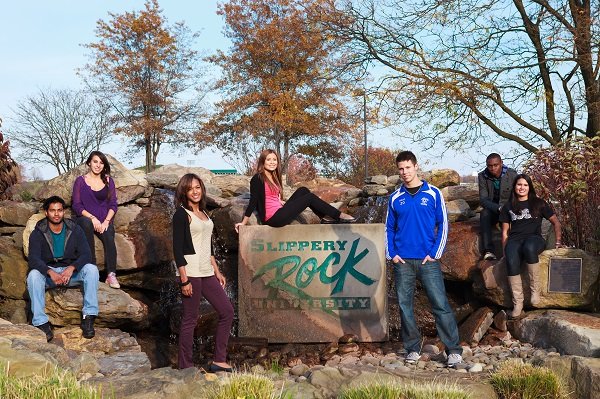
(412, 357)
(454, 359)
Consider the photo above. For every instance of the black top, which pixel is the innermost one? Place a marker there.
(522, 222)
(257, 198)
(182, 237)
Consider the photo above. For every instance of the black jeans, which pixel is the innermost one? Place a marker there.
(298, 202)
(487, 220)
(108, 241)
(526, 249)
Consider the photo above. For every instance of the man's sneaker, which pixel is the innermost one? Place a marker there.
(412, 357)
(47, 329)
(112, 281)
(454, 359)
(489, 256)
(87, 326)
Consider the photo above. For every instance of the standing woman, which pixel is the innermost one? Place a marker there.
(198, 272)
(521, 219)
(95, 205)
(266, 195)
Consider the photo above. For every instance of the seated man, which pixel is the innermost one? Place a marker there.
(59, 256)
(495, 183)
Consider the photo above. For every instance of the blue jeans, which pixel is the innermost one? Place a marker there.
(37, 284)
(432, 279)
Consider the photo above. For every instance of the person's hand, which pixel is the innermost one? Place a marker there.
(427, 259)
(97, 225)
(237, 227)
(67, 274)
(104, 226)
(398, 259)
(55, 277)
(186, 290)
(221, 279)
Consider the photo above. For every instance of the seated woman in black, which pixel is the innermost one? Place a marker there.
(521, 219)
(266, 196)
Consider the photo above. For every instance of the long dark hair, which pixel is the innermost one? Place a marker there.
(535, 203)
(105, 170)
(275, 175)
(184, 185)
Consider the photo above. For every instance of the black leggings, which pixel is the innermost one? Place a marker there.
(298, 202)
(108, 240)
(526, 249)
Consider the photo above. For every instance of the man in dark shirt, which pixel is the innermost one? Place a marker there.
(495, 183)
(59, 256)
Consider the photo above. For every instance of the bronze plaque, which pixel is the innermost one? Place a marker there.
(312, 283)
(564, 275)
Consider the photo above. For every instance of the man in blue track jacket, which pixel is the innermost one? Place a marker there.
(416, 235)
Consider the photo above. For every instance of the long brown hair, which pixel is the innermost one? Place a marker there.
(184, 185)
(105, 173)
(275, 175)
(535, 203)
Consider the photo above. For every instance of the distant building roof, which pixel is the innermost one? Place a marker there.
(224, 171)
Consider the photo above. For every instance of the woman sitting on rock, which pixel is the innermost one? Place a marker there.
(266, 195)
(95, 205)
(198, 272)
(521, 219)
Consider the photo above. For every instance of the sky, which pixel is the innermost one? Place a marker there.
(40, 48)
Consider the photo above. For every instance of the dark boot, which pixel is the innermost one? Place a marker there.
(47, 329)
(87, 326)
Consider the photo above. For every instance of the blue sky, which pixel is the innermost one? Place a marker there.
(40, 44)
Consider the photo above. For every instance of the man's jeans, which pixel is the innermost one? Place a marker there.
(37, 284)
(431, 277)
(487, 221)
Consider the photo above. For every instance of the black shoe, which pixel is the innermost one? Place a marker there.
(215, 368)
(328, 220)
(350, 220)
(47, 329)
(87, 326)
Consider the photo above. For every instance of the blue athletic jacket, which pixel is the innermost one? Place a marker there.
(416, 225)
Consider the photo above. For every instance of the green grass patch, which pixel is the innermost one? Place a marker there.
(244, 386)
(398, 390)
(515, 380)
(55, 384)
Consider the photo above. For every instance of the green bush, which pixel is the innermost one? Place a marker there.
(515, 380)
(56, 384)
(396, 390)
(244, 386)
(568, 175)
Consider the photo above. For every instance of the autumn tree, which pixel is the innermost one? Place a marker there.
(9, 170)
(149, 73)
(60, 127)
(380, 161)
(470, 71)
(279, 85)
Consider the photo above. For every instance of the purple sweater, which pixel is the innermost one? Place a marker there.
(84, 198)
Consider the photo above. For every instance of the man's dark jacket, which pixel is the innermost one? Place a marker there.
(486, 187)
(41, 251)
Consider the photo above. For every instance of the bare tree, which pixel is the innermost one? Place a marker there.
(462, 72)
(60, 128)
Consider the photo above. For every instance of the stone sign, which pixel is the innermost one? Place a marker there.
(564, 275)
(312, 283)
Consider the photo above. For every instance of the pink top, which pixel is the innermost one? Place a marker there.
(272, 200)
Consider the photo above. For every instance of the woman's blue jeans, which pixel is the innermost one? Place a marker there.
(432, 279)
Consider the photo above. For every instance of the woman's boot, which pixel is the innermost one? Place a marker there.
(516, 287)
(534, 282)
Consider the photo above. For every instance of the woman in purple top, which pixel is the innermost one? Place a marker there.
(95, 204)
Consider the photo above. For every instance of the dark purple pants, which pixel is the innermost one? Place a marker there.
(209, 288)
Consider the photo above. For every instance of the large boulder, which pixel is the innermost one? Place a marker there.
(117, 308)
(130, 184)
(458, 210)
(461, 256)
(17, 213)
(13, 270)
(442, 177)
(168, 176)
(232, 185)
(468, 192)
(492, 282)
